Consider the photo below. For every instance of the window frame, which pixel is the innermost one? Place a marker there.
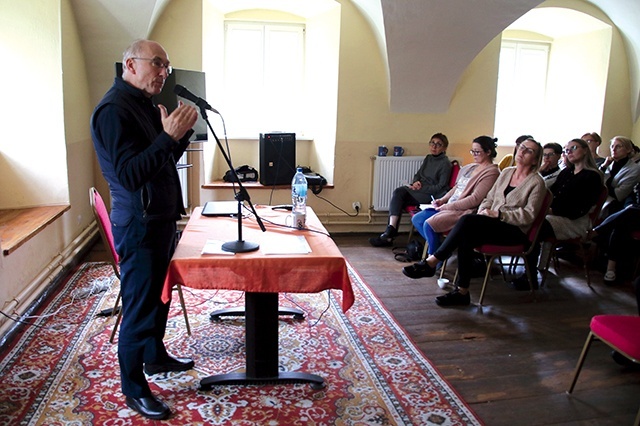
(265, 101)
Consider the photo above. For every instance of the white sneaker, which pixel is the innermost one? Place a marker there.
(610, 276)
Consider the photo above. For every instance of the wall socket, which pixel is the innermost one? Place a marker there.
(356, 206)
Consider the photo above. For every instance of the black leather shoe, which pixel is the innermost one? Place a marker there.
(419, 270)
(520, 284)
(624, 361)
(454, 298)
(170, 364)
(149, 407)
(390, 232)
(381, 242)
(385, 239)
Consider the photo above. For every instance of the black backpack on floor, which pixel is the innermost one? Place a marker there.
(411, 253)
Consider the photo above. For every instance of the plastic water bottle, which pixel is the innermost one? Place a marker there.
(299, 199)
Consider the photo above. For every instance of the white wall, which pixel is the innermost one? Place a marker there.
(32, 145)
(578, 68)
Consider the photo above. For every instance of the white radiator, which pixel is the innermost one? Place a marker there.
(390, 173)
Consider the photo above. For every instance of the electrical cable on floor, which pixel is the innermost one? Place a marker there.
(286, 296)
(18, 320)
(325, 309)
(97, 286)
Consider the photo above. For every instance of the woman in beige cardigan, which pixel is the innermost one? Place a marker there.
(472, 185)
(504, 218)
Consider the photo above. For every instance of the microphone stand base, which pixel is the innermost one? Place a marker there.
(240, 246)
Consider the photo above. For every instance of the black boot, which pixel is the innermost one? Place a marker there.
(385, 239)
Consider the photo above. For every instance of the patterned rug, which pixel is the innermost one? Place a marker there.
(64, 371)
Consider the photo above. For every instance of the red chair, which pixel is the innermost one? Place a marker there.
(455, 169)
(621, 333)
(519, 250)
(104, 226)
(581, 242)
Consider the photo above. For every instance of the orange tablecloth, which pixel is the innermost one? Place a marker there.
(324, 268)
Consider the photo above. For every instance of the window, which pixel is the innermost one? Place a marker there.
(522, 82)
(264, 77)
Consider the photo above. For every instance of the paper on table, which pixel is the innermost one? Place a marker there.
(215, 247)
(284, 244)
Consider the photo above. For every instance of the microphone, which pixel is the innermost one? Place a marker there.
(183, 92)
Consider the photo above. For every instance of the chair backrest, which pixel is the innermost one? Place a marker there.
(455, 169)
(537, 222)
(104, 225)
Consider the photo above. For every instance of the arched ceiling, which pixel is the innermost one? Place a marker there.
(427, 43)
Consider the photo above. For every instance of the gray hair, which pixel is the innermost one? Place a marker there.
(626, 142)
(133, 50)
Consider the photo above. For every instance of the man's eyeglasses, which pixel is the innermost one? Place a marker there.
(570, 149)
(474, 153)
(436, 144)
(525, 149)
(157, 63)
(549, 154)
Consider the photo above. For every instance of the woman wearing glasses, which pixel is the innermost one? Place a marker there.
(620, 174)
(550, 168)
(472, 185)
(431, 181)
(510, 159)
(504, 217)
(594, 140)
(575, 192)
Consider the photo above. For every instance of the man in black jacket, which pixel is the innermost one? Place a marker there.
(138, 145)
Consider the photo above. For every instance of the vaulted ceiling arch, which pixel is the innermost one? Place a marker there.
(427, 44)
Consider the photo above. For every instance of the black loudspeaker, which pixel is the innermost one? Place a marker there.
(277, 158)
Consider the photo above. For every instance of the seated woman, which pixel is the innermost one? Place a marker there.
(510, 159)
(620, 174)
(472, 185)
(431, 181)
(504, 217)
(594, 140)
(575, 193)
(615, 234)
(550, 168)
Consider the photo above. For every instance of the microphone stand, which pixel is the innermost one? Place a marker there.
(238, 246)
(241, 246)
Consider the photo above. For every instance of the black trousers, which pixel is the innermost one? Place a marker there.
(615, 232)
(403, 197)
(471, 231)
(145, 250)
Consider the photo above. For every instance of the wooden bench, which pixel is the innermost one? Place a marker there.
(17, 226)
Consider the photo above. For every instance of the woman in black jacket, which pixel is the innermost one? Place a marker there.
(575, 193)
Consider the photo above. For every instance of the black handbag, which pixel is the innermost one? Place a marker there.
(245, 173)
(411, 253)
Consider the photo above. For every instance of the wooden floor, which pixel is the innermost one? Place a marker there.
(512, 361)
